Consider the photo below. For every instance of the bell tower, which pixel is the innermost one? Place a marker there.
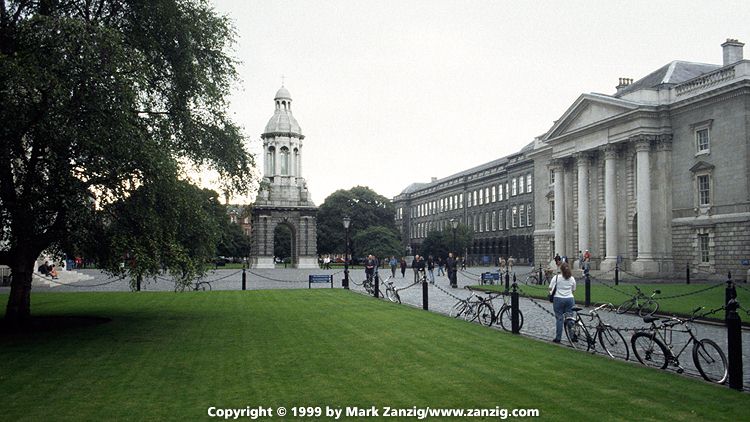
(283, 197)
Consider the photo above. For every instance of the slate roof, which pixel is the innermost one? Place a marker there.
(672, 73)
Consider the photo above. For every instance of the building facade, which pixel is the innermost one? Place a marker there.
(656, 176)
(495, 200)
(283, 198)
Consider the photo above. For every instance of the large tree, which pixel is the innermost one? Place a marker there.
(439, 243)
(364, 206)
(98, 99)
(378, 241)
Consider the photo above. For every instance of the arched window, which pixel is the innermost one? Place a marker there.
(271, 155)
(284, 161)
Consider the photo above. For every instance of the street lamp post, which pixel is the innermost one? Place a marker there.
(347, 221)
(454, 225)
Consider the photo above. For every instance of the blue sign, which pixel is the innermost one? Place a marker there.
(745, 262)
(490, 276)
(320, 278)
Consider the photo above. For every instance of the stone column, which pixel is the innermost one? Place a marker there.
(645, 262)
(583, 201)
(610, 206)
(558, 168)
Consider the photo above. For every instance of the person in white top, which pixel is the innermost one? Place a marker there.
(563, 285)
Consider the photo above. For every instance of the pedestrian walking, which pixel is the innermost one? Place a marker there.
(403, 267)
(450, 267)
(431, 269)
(393, 263)
(440, 266)
(561, 288)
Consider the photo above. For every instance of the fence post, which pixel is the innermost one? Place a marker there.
(687, 277)
(244, 280)
(514, 310)
(734, 346)
(617, 274)
(377, 286)
(424, 294)
(729, 294)
(507, 280)
(541, 275)
(588, 290)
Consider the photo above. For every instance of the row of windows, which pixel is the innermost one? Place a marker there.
(517, 186)
(514, 217)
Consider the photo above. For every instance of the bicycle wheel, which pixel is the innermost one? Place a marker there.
(614, 343)
(625, 306)
(486, 314)
(575, 333)
(458, 309)
(531, 280)
(710, 361)
(506, 319)
(648, 308)
(649, 350)
(393, 295)
(470, 313)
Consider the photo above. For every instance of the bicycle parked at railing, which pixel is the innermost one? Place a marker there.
(654, 348)
(503, 316)
(369, 285)
(610, 338)
(533, 277)
(468, 308)
(391, 292)
(646, 305)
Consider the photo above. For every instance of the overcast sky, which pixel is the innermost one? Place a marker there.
(394, 92)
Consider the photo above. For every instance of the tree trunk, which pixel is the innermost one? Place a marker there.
(18, 310)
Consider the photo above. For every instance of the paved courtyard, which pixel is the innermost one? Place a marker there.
(538, 319)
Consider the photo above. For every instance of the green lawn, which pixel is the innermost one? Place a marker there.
(685, 305)
(169, 356)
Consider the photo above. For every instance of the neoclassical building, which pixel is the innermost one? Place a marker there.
(494, 199)
(283, 197)
(656, 175)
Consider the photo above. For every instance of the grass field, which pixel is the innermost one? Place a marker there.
(169, 356)
(710, 299)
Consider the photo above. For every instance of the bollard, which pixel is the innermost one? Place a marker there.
(729, 294)
(617, 274)
(514, 278)
(514, 310)
(377, 286)
(244, 280)
(687, 277)
(424, 294)
(541, 275)
(507, 281)
(734, 346)
(588, 290)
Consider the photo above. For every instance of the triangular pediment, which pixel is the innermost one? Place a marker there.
(701, 166)
(587, 110)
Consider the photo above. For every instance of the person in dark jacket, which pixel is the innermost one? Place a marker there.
(418, 265)
(450, 267)
(403, 267)
(431, 269)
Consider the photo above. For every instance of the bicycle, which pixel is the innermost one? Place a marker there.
(391, 292)
(369, 285)
(646, 305)
(610, 338)
(654, 348)
(202, 285)
(533, 277)
(467, 308)
(503, 317)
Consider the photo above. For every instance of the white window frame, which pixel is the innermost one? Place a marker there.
(521, 216)
(528, 216)
(698, 128)
(699, 191)
(529, 184)
(514, 187)
(514, 217)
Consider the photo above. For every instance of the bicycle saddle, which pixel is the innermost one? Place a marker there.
(576, 309)
(650, 319)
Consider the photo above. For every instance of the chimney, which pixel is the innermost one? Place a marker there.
(732, 51)
(433, 179)
(623, 82)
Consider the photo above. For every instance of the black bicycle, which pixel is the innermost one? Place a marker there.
(369, 286)
(504, 317)
(646, 305)
(610, 338)
(391, 292)
(654, 348)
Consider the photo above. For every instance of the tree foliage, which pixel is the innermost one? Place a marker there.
(365, 208)
(282, 241)
(102, 101)
(378, 240)
(439, 243)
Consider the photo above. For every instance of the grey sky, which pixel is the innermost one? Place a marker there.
(393, 92)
